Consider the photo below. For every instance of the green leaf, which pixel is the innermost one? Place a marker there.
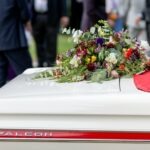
(99, 75)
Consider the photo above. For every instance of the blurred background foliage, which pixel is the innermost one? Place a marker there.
(64, 43)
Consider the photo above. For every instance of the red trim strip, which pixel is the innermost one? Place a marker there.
(74, 135)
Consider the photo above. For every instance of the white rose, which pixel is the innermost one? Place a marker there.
(111, 58)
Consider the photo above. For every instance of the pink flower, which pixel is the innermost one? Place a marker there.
(114, 74)
(81, 52)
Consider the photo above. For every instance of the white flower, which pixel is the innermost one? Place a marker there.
(73, 30)
(92, 30)
(67, 31)
(99, 29)
(77, 34)
(111, 40)
(111, 58)
(64, 30)
(145, 45)
(75, 61)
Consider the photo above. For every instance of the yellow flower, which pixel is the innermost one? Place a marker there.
(88, 60)
(93, 58)
(101, 33)
(124, 49)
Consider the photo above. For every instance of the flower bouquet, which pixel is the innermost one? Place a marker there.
(98, 55)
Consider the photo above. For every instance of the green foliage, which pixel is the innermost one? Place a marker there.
(99, 75)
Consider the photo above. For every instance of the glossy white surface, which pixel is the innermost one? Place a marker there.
(45, 104)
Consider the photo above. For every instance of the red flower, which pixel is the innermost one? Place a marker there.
(128, 53)
(122, 67)
(110, 45)
(91, 66)
(136, 53)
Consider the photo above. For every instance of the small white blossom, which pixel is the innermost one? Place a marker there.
(145, 45)
(64, 30)
(68, 31)
(75, 61)
(111, 40)
(99, 29)
(92, 30)
(73, 30)
(111, 58)
(77, 34)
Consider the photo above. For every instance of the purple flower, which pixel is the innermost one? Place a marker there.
(100, 41)
(137, 44)
(69, 52)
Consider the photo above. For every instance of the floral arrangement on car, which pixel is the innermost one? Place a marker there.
(98, 55)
